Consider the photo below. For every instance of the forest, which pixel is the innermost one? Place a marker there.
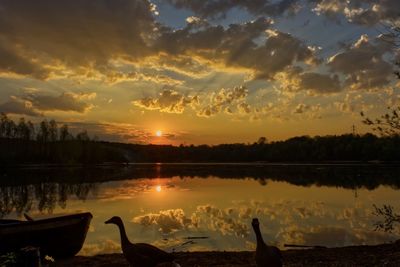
(47, 143)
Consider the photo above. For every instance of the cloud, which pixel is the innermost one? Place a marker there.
(295, 79)
(235, 47)
(168, 221)
(231, 101)
(208, 216)
(114, 77)
(12, 63)
(18, 106)
(190, 66)
(353, 102)
(228, 100)
(34, 104)
(62, 34)
(367, 12)
(168, 101)
(311, 110)
(333, 236)
(55, 39)
(284, 221)
(67, 101)
(319, 83)
(363, 64)
(224, 221)
(219, 8)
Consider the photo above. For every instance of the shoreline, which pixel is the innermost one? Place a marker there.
(211, 163)
(377, 255)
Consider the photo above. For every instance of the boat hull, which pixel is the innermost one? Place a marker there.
(59, 237)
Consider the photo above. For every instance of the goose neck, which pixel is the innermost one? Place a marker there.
(259, 237)
(122, 232)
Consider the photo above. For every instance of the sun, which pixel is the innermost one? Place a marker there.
(158, 188)
(159, 133)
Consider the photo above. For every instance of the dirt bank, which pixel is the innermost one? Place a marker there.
(381, 255)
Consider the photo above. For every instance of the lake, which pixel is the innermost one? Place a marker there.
(193, 207)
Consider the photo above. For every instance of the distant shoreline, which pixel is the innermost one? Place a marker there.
(255, 163)
(344, 149)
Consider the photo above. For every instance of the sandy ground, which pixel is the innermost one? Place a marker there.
(381, 255)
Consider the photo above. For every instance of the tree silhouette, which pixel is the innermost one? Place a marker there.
(53, 131)
(390, 218)
(43, 134)
(23, 131)
(83, 136)
(8, 129)
(387, 124)
(31, 130)
(64, 133)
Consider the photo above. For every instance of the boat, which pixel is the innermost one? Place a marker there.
(58, 237)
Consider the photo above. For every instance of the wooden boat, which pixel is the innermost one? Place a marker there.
(59, 237)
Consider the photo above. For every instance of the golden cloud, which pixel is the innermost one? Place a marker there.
(168, 101)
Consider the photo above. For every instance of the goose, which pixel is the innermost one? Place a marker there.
(140, 254)
(266, 256)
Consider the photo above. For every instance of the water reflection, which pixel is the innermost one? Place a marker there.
(351, 176)
(312, 205)
(42, 197)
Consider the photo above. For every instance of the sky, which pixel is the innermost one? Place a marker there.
(198, 71)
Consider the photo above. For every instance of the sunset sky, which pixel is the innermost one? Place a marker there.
(198, 71)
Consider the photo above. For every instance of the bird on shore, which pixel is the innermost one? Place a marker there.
(266, 256)
(141, 254)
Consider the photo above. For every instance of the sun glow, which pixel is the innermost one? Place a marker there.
(159, 133)
(158, 188)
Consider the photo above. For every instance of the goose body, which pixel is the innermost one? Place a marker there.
(266, 256)
(140, 254)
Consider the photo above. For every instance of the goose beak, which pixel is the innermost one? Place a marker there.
(108, 221)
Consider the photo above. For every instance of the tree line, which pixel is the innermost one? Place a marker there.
(303, 149)
(24, 142)
(45, 131)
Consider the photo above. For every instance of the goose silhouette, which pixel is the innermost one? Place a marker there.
(266, 256)
(141, 254)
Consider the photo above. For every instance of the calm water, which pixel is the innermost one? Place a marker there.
(165, 204)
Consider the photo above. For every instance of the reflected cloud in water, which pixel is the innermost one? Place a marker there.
(309, 209)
